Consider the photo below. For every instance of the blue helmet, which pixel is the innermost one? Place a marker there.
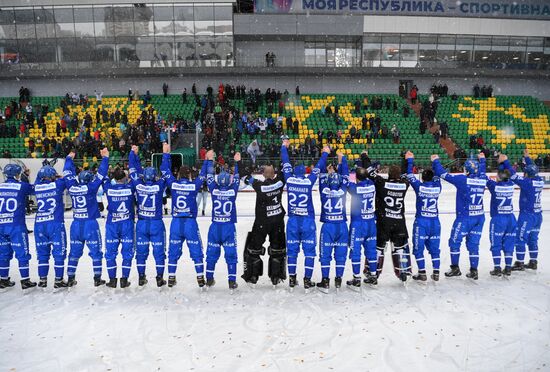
(334, 180)
(47, 172)
(531, 170)
(300, 170)
(149, 174)
(85, 177)
(12, 171)
(471, 166)
(224, 179)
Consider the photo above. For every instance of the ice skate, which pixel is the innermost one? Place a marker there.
(210, 283)
(112, 283)
(454, 271)
(473, 274)
(160, 281)
(6, 283)
(43, 282)
(435, 276)
(292, 282)
(308, 284)
(371, 280)
(124, 283)
(497, 272)
(507, 272)
(27, 284)
(532, 265)
(354, 284)
(60, 284)
(421, 276)
(142, 280)
(171, 281)
(98, 281)
(232, 286)
(338, 283)
(71, 281)
(201, 282)
(324, 285)
(518, 266)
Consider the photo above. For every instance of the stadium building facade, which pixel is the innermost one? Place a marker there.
(327, 39)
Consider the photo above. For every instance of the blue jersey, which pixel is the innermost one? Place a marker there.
(13, 196)
(530, 195)
(184, 191)
(223, 199)
(501, 197)
(49, 201)
(469, 189)
(333, 201)
(121, 202)
(299, 189)
(148, 194)
(84, 196)
(427, 193)
(363, 193)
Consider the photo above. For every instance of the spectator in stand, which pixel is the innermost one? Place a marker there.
(254, 151)
(480, 142)
(98, 97)
(413, 94)
(298, 90)
(165, 89)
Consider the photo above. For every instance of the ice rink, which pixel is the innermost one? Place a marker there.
(453, 325)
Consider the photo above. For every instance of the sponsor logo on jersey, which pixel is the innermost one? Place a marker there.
(183, 186)
(538, 183)
(395, 186)
(119, 192)
(333, 193)
(149, 189)
(81, 189)
(226, 193)
(10, 186)
(504, 189)
(476, 182)
(269, 188)
(434, 191)
(45, 186)
(298, 181)
(365, 189)
(44, 218)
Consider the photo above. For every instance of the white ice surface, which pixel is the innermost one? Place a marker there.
(452, 325)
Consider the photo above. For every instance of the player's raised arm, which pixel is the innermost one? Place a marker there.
(204, 169)
(441, 172)
(415, 183)
(166, 165)
(134, 164)
(102, 170)
(287, 167)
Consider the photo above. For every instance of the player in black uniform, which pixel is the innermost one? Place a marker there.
(269, 222)
(391, 225)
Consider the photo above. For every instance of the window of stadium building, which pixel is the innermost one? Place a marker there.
(332, 54)
(139, 35)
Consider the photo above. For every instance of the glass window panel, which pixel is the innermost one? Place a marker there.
(145, 51)
(10, 54)
(184, 24)
(104, 29)
(500, 41)
(123, 13)
(104, 53)
(223, 13)
(482, 43)
(320, 56)
(390, 48)
(144, 28)
(225, 50)
(64, 14)
(164, 12)
(446, 40)
(371, 55)
(43, 14)
(224, 27)
(408, 53)
(85, 49)
(165, 51)
(64, 30)
(204, 13)
(83, 14)
(7, 32)
(535, 41)
(27, 51)
(186, 50)
(206, 50)
(446, 55)
(518, 43)
(26, 31)
(45, 30)
(372, 39)
(123, 28)
(164, 27)
(409, 39)
(428, 39)
(309, 56)
(7, 16)
(204, 28)
(143, 12)
(427, 55)
(126, 52)
(463, 55)
(103, 13)
(84, 29)
(46, 51)
(24, 15)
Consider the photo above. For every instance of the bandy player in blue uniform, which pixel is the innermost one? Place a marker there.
(362, 231)
(222, 231)
(427, 228)
(301, 228)
(184, 225)
(470, 215)
(502, 230)
(13, 230)
(334, 232)
(84, 229)
(49, 225)
(530, 212)
(150, 227)
(119, 229)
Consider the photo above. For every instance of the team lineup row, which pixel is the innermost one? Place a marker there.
(377, 218)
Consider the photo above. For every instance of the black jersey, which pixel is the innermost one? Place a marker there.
(269, 194)
(390, 195)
